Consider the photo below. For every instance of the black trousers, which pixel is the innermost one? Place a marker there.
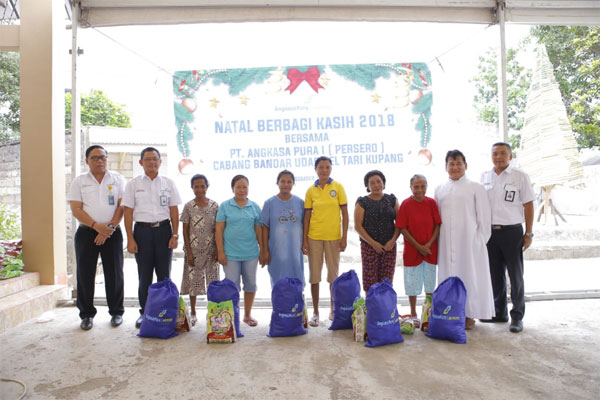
(86, 254)
(505, 252)
(153, 255)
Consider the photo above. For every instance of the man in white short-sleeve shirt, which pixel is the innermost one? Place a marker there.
(95, 200)
(511, 200)
(151, 201)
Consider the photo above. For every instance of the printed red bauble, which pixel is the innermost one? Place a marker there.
(425, 156)
(186, 166)
(189, 104)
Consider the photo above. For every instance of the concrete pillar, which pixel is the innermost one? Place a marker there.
(43, 139)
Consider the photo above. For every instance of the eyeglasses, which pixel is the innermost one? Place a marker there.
(151, 159)
(97, 158)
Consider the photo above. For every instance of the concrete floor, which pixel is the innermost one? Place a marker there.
(557, 356)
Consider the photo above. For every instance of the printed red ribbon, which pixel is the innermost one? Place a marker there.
(311, 76)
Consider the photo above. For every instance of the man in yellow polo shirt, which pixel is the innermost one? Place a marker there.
(325, 212)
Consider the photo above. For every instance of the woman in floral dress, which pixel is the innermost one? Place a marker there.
(200, 264)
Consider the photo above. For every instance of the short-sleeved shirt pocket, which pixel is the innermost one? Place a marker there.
(88, 194)
(511, 194)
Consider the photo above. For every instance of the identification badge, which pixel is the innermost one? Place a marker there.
(111, 200)
(510, 192)
(164, 200)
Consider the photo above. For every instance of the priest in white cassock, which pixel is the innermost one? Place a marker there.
(466, 228)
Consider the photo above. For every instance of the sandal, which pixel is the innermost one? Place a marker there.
(314, 321)
(193, 319)
(250, 321)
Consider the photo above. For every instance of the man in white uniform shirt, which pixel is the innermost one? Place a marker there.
(151, 201)
(511, 199)
(95, 200)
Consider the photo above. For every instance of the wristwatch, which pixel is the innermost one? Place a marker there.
(176, 236)
(529, 234)
(111, 226)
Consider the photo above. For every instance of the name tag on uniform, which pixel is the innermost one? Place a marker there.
(164, 200)
(509, 193)
(111, 200)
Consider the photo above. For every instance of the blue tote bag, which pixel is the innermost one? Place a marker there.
(383, 322)
(344, 290)
(160, 313)
(447, 319)
(287, 318)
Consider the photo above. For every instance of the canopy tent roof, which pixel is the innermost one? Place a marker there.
(98, 13)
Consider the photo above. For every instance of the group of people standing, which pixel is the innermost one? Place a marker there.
(239, 235)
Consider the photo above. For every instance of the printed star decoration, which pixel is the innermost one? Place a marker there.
(375, 98)
(244, 100)
(214, 102)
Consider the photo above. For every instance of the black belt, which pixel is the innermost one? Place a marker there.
(153, 224)
(500, 227)
(89, 228)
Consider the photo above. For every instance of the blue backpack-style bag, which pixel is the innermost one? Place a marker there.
(160, 313)
(383, 322)
(287, 318)
(344, 290)
(219, 291)
(447, 319)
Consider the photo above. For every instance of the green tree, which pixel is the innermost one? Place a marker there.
(575, 55)
(10, 100)
(485, 100)
(98, 110)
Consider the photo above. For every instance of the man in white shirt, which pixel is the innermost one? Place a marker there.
(511, 200)
(151, 201)
(95, 200)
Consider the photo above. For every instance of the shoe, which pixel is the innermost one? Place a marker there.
(116, 320)
(314, 321)
(516, 326)
(495, 319)
(87, 323)
(469, 323)
(138, 322)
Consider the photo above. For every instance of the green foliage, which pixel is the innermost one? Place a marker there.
(11, 266)
(363, 74)
(239, 79)
(575, 55)
(98, 110)
(10, 100)
(486, 83)
(10, 224)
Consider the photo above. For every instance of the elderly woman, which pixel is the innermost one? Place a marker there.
(374, 216)
(325, 229)
(200, 266)
(239, 241)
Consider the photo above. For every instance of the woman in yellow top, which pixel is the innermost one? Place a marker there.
(325, 229)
